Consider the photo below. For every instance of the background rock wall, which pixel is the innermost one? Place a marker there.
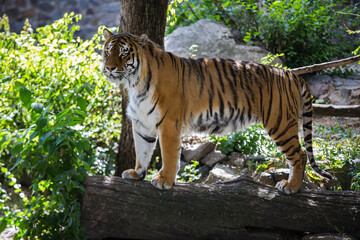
(42, 12)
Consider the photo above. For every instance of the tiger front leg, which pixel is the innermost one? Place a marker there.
(144, 147)
(170, 152)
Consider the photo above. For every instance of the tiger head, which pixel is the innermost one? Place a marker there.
(121, 56)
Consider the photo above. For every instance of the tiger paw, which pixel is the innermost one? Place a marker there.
(286, 187)
(131, 174)
(161, 182)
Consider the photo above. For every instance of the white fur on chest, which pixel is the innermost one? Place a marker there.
(141, 109)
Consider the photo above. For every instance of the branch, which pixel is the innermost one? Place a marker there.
(321, 66)
(242, 209)
(336, 110)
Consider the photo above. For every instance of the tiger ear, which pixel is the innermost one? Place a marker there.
(107, 34)
(143, 39)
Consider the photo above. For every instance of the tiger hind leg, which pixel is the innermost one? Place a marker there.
(289, 143)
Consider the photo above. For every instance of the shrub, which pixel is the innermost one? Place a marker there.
(335, 149)
(307, 32)
(247, 141)
(58, 124)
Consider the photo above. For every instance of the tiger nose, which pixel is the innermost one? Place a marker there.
(110, 68)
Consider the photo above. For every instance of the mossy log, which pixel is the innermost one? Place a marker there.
(115, 208)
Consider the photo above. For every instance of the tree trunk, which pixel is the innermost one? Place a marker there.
(242, 209)
(138, 17)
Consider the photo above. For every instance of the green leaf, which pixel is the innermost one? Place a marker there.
(6, 79)
(16, 149)
(88, 89)
(81, 103)
(86, 145)
(41, 122)
(60, 140)
(37, 107)
(44, 137)
(50, 146)
(3, 224)
(25, 95)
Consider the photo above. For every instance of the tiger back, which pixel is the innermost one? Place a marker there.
(170, 96)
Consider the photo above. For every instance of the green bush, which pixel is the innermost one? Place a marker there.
(307, 32)
(247, 141)
(336, 150)
(190, 174)
(59, 123)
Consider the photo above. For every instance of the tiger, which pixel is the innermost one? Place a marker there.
(170, 96)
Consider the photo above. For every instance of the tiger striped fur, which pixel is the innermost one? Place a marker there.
(170, 96)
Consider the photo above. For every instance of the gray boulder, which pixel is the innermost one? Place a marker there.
(221, 172)
(213, 158)
(213, 40)
(197, 151)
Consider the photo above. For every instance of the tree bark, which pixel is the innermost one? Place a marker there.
(138, 17)
(336, 110)
(242, 209)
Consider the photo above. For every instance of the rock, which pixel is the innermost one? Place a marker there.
(212, 158)
(343, 176)
(213, 40)
(46, 7)
(27, 13)
(182, 166)
(256, 158)
(318, 79)
(197, 152)
(354, 98)
(318, 90)
(338, 97)
(280, 174)
(204, 173)
(274, 176)
(307, 184)
(221, 172)
(237, 159)
(267, 178)
(338, 82)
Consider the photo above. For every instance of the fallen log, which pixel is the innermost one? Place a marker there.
(242, 209)
(321, 66)
(336, 110)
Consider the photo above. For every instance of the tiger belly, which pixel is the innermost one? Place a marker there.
(218, 123)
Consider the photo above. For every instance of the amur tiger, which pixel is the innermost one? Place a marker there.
(170, 96)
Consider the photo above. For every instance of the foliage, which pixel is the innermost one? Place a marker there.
(246, 141)
(307, 32)
(57, 122)
(270, 58)
(356, 51)
(338, 148)
(190, 173)
(335, 149)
